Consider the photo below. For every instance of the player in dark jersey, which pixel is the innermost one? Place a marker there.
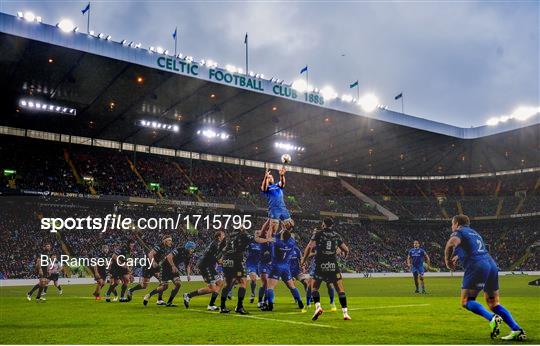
(170, 272)
(54, 274)
(481, 273)
(119, 271)
(207, 267)
(415, 261)
(327, 241)
(100, 272)
(43, 274)
(277, 210)
(233, 268)
(157, 254)
(282, 248)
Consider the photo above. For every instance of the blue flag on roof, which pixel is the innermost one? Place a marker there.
(303, 70)
(355, 84)
(86, 9)
(174, 33)
(400, 95)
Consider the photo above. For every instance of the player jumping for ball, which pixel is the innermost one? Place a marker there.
(481, 273)
(277, 210)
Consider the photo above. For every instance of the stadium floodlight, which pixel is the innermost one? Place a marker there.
(328, 93)
(46, 107)
(240, 70)
(347, 98)
(66, 25)
(189, 59)
(92, 33)
(108, 38)
(288, 146)
(29, 16)
(368, 102)
(211, 134)
(299, 85)
(251, 74)
(138, 45)
(20, 15)
(101, 35)
(160, 50)
(230, 68)
(158, 125)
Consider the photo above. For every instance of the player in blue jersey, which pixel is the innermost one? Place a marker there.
(415, 261)
(252, 266)
(481, 273)
(283, 245)
(265, 264)
(277, 210)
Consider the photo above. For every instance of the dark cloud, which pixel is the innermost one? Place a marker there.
(458, 63)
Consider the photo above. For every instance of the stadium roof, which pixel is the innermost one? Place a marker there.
(113, 87)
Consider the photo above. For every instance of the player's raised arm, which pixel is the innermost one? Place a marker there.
(264, 184)
(282, 171)
(450, 245)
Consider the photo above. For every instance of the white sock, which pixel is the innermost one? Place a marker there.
(344, 310)
(317, 305)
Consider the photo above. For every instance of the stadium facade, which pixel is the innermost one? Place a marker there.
(115, 87)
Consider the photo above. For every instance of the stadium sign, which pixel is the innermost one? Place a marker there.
(237, 80)
(176, 65)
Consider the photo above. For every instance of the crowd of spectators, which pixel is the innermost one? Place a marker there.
(376, 246)
(125, 173)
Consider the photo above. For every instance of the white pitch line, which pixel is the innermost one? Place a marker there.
(271, 319)
(365, 308)
(389, 307)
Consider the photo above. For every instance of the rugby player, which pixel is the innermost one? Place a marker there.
(54, 273)
(43, 274)
(277, 210)
(252, 265)
(207, 267)
(481, 274)
(327, 241)
(120, 271)
(415, 261)
(233, 268)
(100, 272)
(170, 272)
(157, 255)
(282, 247)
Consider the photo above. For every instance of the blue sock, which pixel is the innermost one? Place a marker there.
(270, 294)
(296, 294)
(479, 309)
(266, 294)
(261, 293)
(308, 296)
(331, 293)
(506, 316)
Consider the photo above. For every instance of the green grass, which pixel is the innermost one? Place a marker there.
(383, 311)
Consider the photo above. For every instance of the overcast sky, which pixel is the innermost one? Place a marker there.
(456, 62)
